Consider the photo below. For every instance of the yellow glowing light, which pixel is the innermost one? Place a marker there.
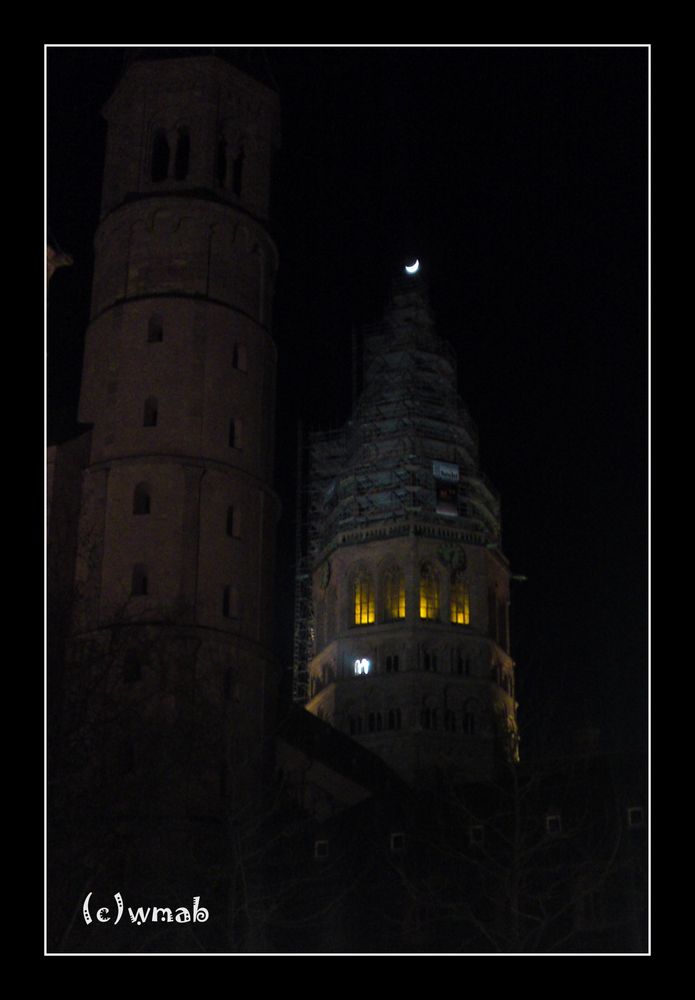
(395, 595)
(429, 594)
(364, 601)
(460, 603)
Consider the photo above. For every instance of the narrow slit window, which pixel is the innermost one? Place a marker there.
(150, 412)
(141, 499)
(239, 357)
(155, 330)
(235, 433)
(139, 581)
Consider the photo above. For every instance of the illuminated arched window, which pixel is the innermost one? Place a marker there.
(141, 499)
(460, 600)
(363, 595)
(429, 593)
(394, 595)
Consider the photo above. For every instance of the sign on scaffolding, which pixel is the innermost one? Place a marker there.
(446, 477)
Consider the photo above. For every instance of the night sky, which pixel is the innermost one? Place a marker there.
(518, 176)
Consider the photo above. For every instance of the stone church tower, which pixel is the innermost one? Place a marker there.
(172, 625)
(410, 589)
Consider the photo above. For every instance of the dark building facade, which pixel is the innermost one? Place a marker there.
(174, 570)
(375, 815)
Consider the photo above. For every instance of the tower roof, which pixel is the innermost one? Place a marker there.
(252, 61)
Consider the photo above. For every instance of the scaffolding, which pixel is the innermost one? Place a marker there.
(378, 469)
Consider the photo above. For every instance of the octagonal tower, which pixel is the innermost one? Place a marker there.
(410, 589)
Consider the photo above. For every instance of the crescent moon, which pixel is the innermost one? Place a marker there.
(412, 268)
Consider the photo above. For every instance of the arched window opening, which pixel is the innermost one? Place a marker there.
(160, 156)
(141, 499)
(395, 595)
(138, 586)
(450, 721)
(363, 593)
(460, 601)
(150, 412)
(183, 154)
(221, 162)
(235, 433)
(155, 330)
(237, 172)
(429, 594)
